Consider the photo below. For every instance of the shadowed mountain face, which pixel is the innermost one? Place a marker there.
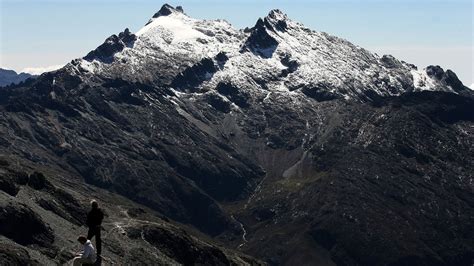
(369, 185)
(290, 145)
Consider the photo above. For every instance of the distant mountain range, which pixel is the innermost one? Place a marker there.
(204, 142)
(8, 77)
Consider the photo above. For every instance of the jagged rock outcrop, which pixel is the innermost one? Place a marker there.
(111, 46)
(192, 77)
(260, 42)
(168, 10)
(22, 225)
(447, 78)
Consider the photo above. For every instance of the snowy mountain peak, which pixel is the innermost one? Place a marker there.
(277, 19)
(277, 54)
(167, 10)
(278, 14)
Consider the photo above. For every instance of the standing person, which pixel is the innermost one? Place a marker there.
(94, 222)
(87, 255)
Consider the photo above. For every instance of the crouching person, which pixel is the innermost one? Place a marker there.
(87, 255)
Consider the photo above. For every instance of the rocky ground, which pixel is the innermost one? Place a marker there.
(42, 217)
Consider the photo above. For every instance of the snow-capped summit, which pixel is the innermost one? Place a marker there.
(276, 55)
(277, 19)
(178, 24)
(282, 126)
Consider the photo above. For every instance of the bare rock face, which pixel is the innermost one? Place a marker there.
(260, 42)
(64, 205)
(8, 185)
(195, 75)
(111, 46)
(22, 225)
(39, 182)
(449, 77)
(168, 10)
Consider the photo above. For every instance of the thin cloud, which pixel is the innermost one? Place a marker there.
(41, 70)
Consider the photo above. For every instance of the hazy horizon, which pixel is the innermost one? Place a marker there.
(41, 35)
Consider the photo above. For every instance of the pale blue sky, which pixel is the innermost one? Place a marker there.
(41, 33)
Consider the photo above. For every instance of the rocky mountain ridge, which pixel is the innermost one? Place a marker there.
(8, 77)
(276, 55)
(290, 145)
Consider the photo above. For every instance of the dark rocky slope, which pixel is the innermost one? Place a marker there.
(153, 154)
(387, 184)
(41, 222)
(311, 174)
(338, 182)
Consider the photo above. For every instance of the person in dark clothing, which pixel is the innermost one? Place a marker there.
(94, 222)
